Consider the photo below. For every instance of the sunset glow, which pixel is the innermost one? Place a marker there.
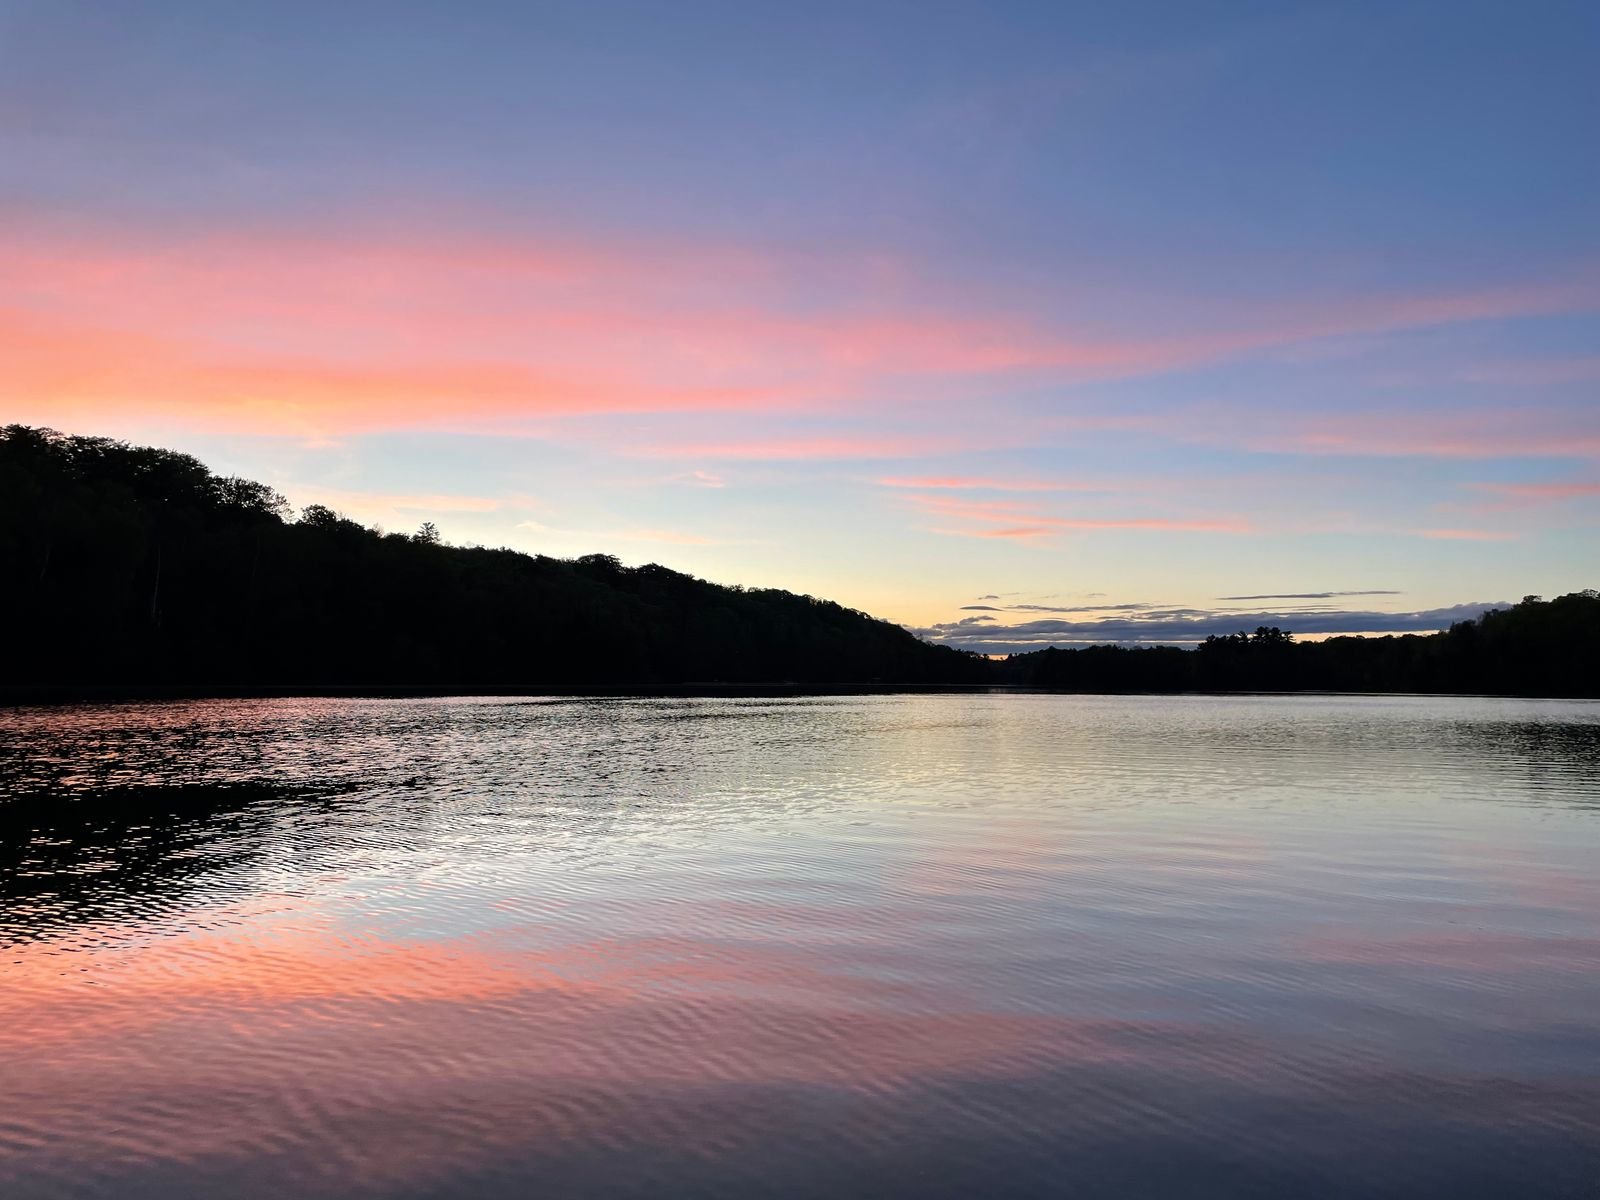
(1064, 306)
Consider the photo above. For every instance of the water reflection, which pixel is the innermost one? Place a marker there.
(121, 855)
(925, 946)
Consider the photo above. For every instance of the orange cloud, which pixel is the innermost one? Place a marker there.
(60, 375)
(343, 331)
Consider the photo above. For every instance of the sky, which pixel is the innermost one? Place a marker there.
(1018, 324)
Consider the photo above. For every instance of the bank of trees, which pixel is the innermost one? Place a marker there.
(1535, 648)
(128, 565)
(133, 566)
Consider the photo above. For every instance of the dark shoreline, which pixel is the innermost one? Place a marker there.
(18, 696)
(44, 696)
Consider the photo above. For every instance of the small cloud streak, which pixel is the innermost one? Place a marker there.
(970, 483)
(1467, 535)
(1067, 608)
(1310, 595)
(805, 449)
(1461, 433)
(1543, 493)
(701, 479)
(1013, 532)
(1011, 519)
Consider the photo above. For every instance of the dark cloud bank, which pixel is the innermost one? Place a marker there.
(1154, 626)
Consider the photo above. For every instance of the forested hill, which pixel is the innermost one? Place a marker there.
(1535, 648)
(133, 566)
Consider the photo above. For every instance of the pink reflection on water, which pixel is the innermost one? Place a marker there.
(370, 1063)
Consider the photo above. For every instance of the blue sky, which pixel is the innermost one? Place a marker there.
(1145, 304)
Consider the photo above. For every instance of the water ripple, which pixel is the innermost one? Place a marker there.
(1009, 946)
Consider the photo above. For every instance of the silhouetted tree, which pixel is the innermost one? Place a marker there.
(1537, 647)
(129, 565)
(137, 566)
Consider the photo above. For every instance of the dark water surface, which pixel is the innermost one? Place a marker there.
(941, 946)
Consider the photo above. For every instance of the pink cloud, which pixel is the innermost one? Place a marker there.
(981, 510)
(778, 449)
(703, 479)
(337, 331)
(1014, 519)
(1019, 532)
(969, 483)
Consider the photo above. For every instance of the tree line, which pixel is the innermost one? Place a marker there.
(130, 565)
(1537, 647)
(134, 566)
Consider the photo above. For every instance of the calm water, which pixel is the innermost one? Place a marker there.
(929, 946)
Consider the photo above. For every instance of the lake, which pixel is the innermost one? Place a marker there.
(979, 945)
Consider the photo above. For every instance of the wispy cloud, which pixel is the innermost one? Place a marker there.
(1069, 608)
(1311, 595)
(981, 483)
(1525, 432)
(341, 330)
(702, 479)
(822, 448)
(1023, 521)
(1005, 532)
(1543, 493)
(1467, 535)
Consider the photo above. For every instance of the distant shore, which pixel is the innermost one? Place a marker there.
(19, 697)
(135, 566)
(90, 694)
